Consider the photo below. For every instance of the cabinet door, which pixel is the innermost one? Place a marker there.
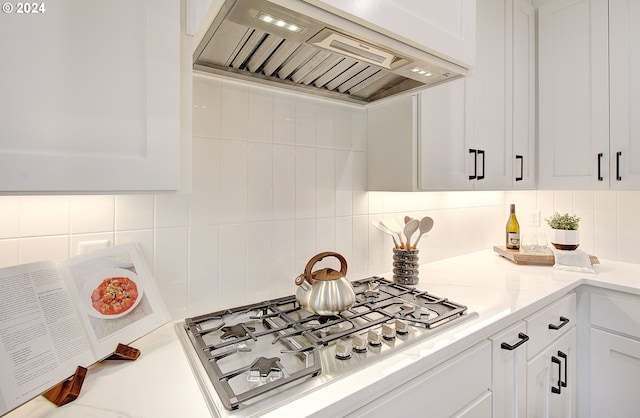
(573, 94)
(443, 158)
(546, 374)
(524, 84)
(615, 375)
(487, 93)
(547, 324)
(624, 56)
(392, 138)
(91, 97)
(481, 408)
(509, 372)
(457, 387)
(444, 26)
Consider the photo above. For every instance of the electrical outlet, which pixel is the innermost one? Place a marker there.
(88, 246)
(534, 218)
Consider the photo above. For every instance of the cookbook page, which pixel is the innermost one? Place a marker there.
(116, 296)
(41, 336)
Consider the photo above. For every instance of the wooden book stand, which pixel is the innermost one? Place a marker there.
(69, 390)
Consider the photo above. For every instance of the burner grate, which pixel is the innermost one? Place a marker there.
(259, 349)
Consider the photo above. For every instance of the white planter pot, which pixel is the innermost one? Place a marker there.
(565, 239)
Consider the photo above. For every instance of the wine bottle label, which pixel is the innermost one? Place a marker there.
(513, 239)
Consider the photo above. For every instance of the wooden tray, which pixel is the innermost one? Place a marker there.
(524, 258)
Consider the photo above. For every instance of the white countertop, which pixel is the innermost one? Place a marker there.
(161, 384)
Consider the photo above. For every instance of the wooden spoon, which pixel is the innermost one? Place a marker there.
(426, 224)
(411, 227)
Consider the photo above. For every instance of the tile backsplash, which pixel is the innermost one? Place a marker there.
(277, 178)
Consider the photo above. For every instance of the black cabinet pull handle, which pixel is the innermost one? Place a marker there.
(554, 389)
(475, 164)
(523, 339)
(564, 320)
(618, 154)
(600, 178)
(564, 357)
(521, 158)
(481, 152)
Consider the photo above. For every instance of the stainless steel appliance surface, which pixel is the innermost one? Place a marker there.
(309, 50)
(259, 356)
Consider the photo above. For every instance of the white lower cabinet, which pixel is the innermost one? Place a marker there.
(458, 387)
(534, 364)
(615, 375)
(551, 380)
(481, 408)
(614, 360)
(509, 371)
(552, 359)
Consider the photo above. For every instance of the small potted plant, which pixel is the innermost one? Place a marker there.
(565, 230)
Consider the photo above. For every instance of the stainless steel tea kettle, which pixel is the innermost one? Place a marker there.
(327, 291)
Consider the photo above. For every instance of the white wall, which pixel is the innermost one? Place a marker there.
(609, 225)
(277, 178)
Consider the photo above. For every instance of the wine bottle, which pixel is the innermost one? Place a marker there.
(513, 230)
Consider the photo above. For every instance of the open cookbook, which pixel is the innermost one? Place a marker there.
(57, 316)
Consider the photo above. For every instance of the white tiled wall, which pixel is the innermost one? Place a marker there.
(609, 220)
(278, 178)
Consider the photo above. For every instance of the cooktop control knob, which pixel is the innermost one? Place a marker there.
(374, 337)
(343, 350)
(388, 332)
(402, 327)
(359, 343)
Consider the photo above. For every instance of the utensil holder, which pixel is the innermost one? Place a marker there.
(405, 266)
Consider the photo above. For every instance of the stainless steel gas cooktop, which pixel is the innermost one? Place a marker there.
(253, 355)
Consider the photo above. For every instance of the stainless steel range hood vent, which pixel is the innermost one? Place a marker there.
(320, 54)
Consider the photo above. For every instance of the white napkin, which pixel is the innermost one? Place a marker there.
(575, 260)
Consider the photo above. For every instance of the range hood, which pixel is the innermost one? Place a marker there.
(310, 50)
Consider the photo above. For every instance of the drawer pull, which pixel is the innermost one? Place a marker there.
(564, 357)
(564, 320)
(523, 339)
(557, 361)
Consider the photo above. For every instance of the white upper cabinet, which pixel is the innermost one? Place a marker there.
(589, 95)
(445, 26)
(523, 119)
(573, 94)
(462, 135)
(486, 99)
(443, 157)
(418, 142)
(91, 97)
(624, 67)
(393, 144)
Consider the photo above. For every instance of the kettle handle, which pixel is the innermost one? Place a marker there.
(319, 257)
